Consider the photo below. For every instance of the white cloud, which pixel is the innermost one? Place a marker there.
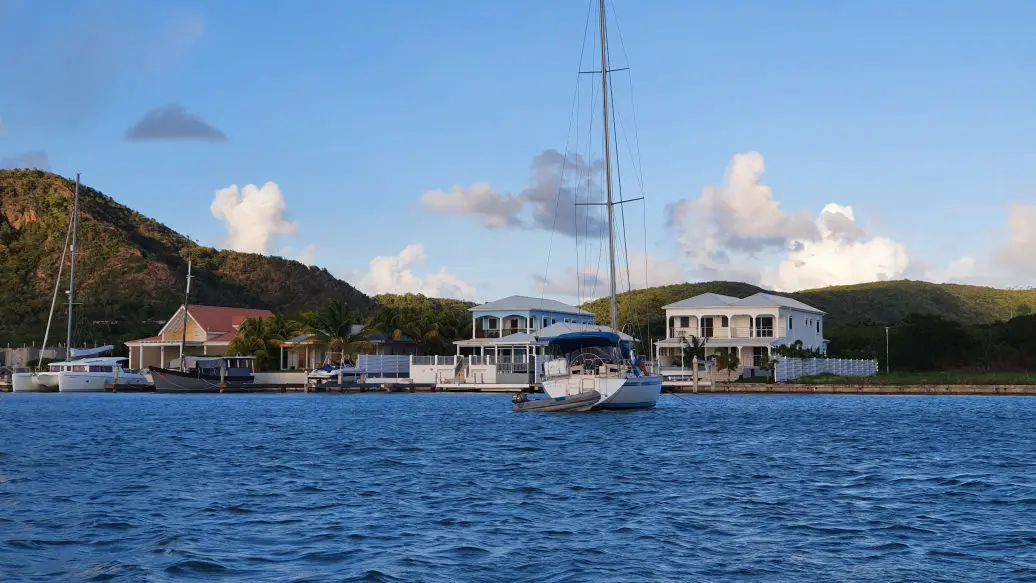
(308, 255)
(594, 284)
(558, 181)
(36, 159)
(1018, 253)
(842, 255)
(731, 231)
(395, 274)
(492, 209)
(739, 216)
(253, 216)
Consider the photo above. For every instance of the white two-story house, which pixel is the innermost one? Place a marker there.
(751, 326)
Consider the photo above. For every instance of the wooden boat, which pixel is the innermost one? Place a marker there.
(577, 402)
(206, 375)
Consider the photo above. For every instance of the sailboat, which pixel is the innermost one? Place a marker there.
(601, 361)
(89, 372)
(40, 381)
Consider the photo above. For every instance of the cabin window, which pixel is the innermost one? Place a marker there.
(545, 324)
(553, 321)
(96, 368)
(706, 327)
(685, 322)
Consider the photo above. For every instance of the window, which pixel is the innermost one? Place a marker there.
(789, 323)
(818, 326)
(757, 355)
(553, 321)
(685, 322)
(491, 323)
(706, 327)
(545, 324)
(764, 326)
(725, 322)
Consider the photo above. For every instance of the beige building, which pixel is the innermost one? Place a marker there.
(209, 330)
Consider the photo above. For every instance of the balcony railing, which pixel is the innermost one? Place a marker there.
(731, 332)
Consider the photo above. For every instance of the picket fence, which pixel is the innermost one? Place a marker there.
(793, 368)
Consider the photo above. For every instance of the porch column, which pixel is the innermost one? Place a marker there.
(282, 357)
(474, 327)
(141, 363)
(161, 356)
(130, 364)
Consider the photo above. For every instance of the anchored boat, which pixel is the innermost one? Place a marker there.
(577, 402)
(214, 374)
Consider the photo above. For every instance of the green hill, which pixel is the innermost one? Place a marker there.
(130, 269)
(869, 304)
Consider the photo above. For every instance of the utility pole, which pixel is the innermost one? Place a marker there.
(886, 350)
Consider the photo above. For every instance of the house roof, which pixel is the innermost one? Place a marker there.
(527, 303)
(220, 319)
(707, 300)
(759, 300)
(768, 300)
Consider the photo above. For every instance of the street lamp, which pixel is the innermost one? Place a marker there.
(886, 350)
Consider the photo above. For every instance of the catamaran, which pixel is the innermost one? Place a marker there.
(601, 361)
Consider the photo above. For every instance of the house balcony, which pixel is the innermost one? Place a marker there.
(497, 333)
(732, 332)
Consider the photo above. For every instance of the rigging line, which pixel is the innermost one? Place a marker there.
(633, 105)
(589, 182)
(564, 161)
(54, 299)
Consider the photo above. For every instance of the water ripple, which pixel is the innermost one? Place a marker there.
(457, 487)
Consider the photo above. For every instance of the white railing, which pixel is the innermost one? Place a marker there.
(384, 365)
(793, 368)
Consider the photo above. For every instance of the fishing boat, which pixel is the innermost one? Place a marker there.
(602, 362)
(205, 374)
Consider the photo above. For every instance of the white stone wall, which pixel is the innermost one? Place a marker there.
(793, 368)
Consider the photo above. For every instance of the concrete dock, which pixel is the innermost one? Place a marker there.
(855, 389)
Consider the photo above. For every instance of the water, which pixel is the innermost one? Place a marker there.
(382, 487)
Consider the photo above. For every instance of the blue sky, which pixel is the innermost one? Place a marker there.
(917, 115)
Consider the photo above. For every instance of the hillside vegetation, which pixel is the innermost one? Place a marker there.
(131, 269)
(869, 304)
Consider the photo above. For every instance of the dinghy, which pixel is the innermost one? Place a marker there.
(577, 402)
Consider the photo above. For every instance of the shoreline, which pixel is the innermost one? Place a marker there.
(857, 389)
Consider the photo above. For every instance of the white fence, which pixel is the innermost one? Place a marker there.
(793, 368)
(384, 366)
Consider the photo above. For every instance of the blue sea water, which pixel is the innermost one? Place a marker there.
(418, 487)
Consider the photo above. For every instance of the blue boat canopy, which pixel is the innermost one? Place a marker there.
(573, 341)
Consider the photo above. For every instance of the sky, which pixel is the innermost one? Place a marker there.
(447, 148)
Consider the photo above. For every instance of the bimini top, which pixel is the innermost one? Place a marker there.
(576, 340)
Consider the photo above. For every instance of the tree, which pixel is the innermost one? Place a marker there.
(692, 346)
(727, 360)
(333, 325)
(768, 364)
(263, 339)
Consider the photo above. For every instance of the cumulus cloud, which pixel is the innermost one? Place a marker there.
(1018, 253)
(842, 254)
(36, 159)
(739, 215)
(732, 230)
(558, 182)
(308, 255)
(173, 122)
(593, 283)
(395, 274)
(253, 216)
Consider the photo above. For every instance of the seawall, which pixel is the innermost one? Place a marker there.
(858, 389)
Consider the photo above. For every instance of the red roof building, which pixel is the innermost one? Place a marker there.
(209, 330)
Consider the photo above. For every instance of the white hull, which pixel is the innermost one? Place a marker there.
(616, 392)
(31, 382)
(86, 382)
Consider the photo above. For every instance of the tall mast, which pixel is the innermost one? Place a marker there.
(72, 269)
(187, 293)
(608, 169)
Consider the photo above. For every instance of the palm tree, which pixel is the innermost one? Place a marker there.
(333, 325)
(262, 338)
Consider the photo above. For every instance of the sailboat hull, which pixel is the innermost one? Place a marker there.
(635, 393)
(616, 392)
(85, 382)
(174, 381)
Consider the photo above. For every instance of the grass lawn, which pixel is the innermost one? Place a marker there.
(925, 378)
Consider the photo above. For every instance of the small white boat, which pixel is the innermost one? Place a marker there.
(333, 374)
